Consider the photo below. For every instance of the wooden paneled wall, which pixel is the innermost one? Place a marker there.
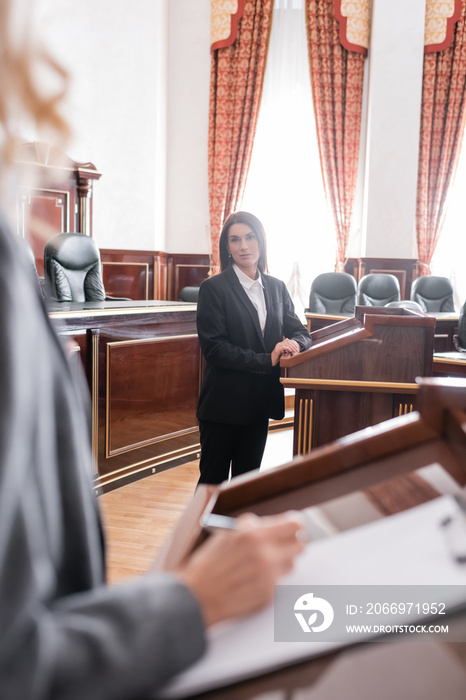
(59, 201)
(405, 269)
(146, 274)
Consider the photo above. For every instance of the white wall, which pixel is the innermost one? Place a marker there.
(116, 52)
(188, 116)
(138, 105)
(392, 141)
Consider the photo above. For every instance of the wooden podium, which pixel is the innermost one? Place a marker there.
(358, 372)
(380, 465)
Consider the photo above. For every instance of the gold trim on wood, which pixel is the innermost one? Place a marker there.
(141, 341)
(450, 360)
(140, 264)
(300, 425)
(151, 441)
(130, 470)
(305, 421)
(404, 408)
(330, 317)
(95, 400)
(348, 384)
(26, 196)
(138, 341)
(170, 277)
(311, 419)
(121, 311)
(305, 426)
(127, 472)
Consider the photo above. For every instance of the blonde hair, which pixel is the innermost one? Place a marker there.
(22, 97)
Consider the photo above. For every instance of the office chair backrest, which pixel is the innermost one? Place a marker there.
(189, 294)
(333, 292)
(460, 339)
(405, 304)
(433, 293)
(378, 289)
(72, 268)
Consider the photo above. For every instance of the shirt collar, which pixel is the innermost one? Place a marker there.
(245, 280)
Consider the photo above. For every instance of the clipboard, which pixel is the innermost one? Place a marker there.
(410, 548)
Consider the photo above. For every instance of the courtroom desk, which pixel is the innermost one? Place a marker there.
(446, 327)
(143, 365)
(452, 364)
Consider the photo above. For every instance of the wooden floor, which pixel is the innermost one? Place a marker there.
(139, 516)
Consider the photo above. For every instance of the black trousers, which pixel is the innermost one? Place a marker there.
(223, 445)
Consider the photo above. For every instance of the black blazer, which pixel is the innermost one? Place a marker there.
(240, 385)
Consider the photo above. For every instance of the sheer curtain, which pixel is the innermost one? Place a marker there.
(284, 186)
(449, 259)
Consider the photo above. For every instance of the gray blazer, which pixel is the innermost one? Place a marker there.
(64, 634)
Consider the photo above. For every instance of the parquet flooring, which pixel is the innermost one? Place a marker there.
(139, 516)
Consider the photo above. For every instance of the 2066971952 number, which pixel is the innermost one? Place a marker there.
(405, 608)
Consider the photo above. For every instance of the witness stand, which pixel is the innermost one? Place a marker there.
(358, 372)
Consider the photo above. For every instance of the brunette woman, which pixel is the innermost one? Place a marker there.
(246, 323)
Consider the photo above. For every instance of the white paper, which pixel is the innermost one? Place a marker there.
(409, 548)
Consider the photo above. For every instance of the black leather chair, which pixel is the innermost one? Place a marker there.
(433, 294)
(333, 292)
(405, 304)
(189, 294)
(378, 289)
(460, 339)
(72, 269)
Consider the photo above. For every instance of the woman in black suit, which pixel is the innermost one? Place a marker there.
(245, 322)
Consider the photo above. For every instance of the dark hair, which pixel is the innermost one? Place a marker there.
(243, 217)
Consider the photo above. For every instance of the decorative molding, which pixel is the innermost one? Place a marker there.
(143, 265)
(305, 425)
(224, 18)
(354, 19)
(94, 338)
(441, 17)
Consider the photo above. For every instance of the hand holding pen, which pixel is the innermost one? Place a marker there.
(234, 572)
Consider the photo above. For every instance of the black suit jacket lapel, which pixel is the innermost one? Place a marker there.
(245, 300)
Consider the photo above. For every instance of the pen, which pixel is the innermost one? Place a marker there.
(213, 522)
(311, 530)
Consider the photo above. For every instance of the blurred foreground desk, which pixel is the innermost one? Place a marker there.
(143, 366)
(372, 474)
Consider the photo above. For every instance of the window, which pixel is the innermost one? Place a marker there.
(450, 254)
(284, 187)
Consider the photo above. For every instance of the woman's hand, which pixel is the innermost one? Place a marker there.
(233, 573)
(285, 348)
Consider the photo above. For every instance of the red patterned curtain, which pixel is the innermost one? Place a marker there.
(442, 125)
(237, 77)
(337, 77)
